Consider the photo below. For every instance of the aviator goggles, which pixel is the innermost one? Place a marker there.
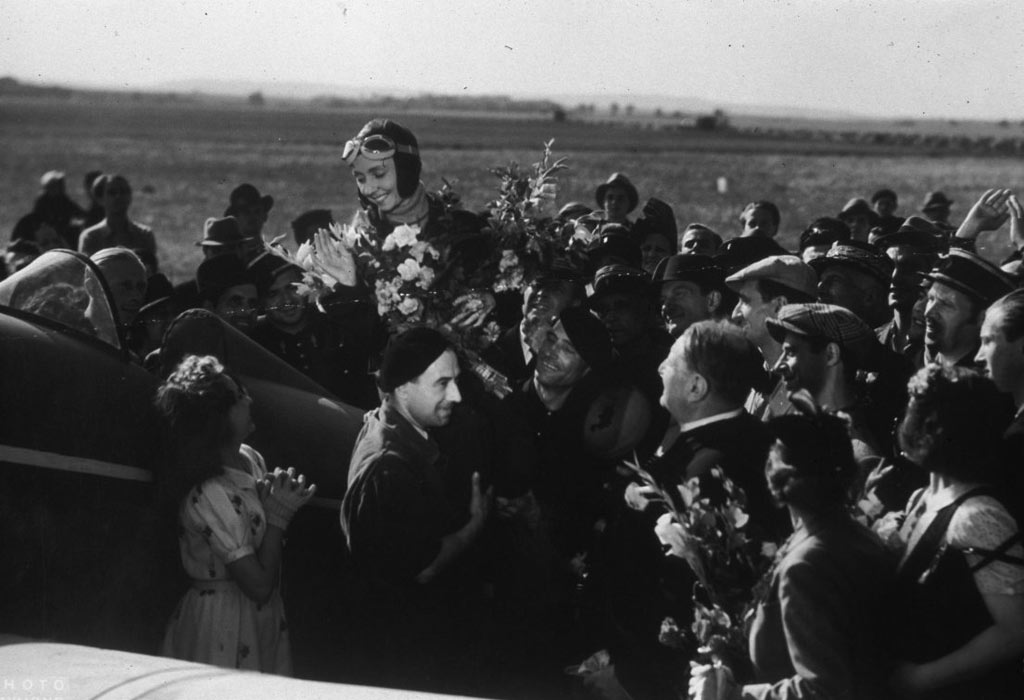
(375, 147)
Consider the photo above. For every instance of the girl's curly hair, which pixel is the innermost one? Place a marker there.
(194, 402)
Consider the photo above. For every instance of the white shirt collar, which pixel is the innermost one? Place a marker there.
(692, 425)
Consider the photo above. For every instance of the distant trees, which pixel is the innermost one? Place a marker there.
(256, 99)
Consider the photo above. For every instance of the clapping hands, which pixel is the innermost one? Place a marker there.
(283, 492)
(333, 258)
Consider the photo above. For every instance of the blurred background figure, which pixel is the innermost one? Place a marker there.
(820, 235)
(250, 209)
(885, 202)
(228, 289)
(860, 217)
(116, 229)
(94, 214)
(936, 207)
(617, 196)
(54, 207)
(309, 222)
(760, 218)
(698, 238)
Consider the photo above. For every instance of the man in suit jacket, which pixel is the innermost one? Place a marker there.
(707, 376)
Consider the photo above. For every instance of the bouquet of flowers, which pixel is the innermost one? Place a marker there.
(520, 219)
(705, 525)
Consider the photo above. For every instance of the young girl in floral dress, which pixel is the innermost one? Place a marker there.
(231, 524)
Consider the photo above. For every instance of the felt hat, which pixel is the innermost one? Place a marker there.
(246, 195)
(690, 267)
(617, 180)
(786, 270)
(914, 231)
(825, 230)
(972, 275)
(614, 240)
(221, 232)
(858, 207)
(51, 176)
(884, 193)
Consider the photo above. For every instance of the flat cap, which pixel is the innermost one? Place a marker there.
(859, 256)
(833, 323)
(787, 270)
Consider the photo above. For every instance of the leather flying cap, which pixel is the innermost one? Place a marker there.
(833, 323)
(617, 180)
(971, 274)
(221, 232)
(859, 256)
(787, 270)
(690, 267)
(915, 231)
(589, 336)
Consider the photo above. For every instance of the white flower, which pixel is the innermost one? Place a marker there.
(426, 278)
(402, 237)
(508, 259)
(409, 306)
(409, 270)
(418, 249)
(768, 549)
(304, 255)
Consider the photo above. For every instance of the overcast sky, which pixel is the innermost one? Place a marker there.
(916, 58)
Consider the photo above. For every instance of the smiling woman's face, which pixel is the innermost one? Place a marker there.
(377, 180)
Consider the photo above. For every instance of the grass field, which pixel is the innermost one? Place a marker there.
(183, 159)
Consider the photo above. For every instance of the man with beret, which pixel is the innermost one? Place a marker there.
(856, 276)
(963, 286)
(228, 289)
(690, 287)
(335, 355)
(764, 288)
(707, 375)
(823, 346)
(410, 530)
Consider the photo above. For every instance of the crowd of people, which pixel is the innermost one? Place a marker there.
(855, 404)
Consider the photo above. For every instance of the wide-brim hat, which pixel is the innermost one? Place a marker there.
(858, 256)
(617, 180)
(830, 322)
(690, 267)
(936, 200)
(788, 271)
(246, 195)
(858, 207)
(221, 232)
(972, 275)
(884, 193)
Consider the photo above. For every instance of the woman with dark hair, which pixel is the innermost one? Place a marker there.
(819, 629)
(961, 576)
(231, 522)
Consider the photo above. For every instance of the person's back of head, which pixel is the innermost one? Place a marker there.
(721, 353)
